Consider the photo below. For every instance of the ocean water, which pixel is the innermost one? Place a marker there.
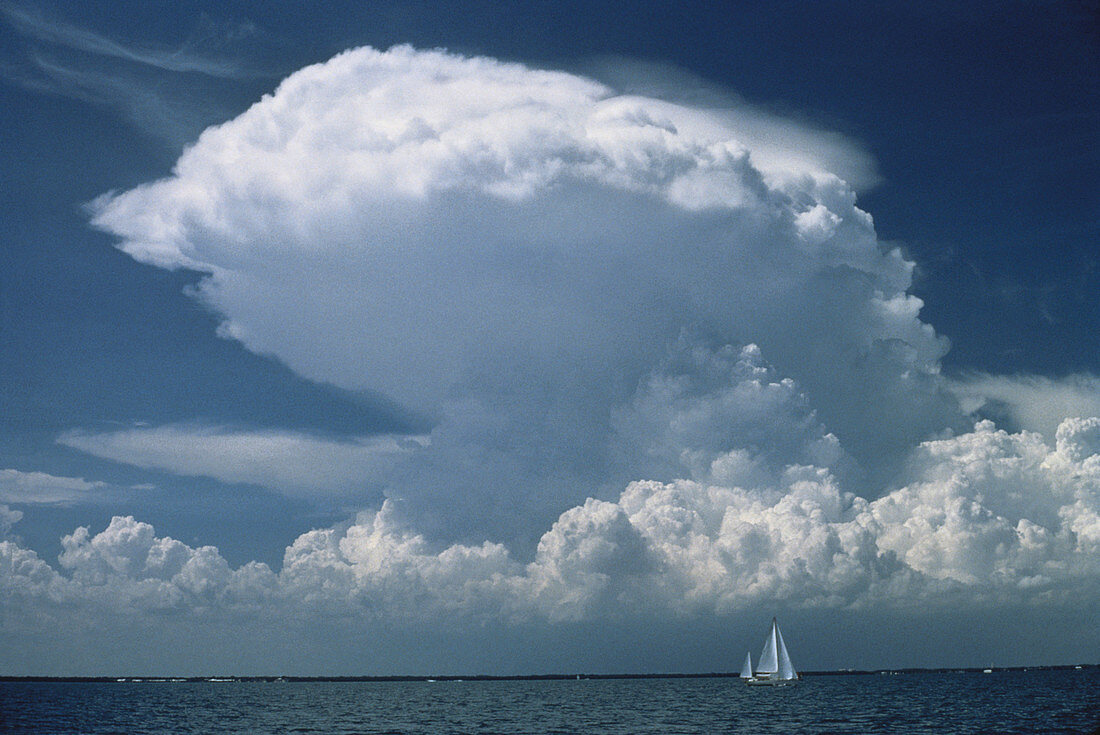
(1037, 701)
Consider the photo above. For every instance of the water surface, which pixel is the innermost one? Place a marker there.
(1061, 701)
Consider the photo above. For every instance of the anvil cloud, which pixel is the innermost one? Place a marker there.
(510, 251)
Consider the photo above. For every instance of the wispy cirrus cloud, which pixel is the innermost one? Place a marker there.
(148, 107)
(191, 56)
(165, 90)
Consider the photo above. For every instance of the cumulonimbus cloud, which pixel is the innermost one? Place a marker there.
(667, 379)
(512, 250)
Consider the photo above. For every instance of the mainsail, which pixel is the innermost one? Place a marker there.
(746, 670)
(769, 660)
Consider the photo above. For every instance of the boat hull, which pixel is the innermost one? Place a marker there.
(770, 682)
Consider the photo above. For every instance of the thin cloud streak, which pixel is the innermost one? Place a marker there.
(293, 464)
(42, 488)
(1030, 402)
(183, 59)
(143, 104)
(166, 93)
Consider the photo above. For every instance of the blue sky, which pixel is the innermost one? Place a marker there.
(547, 280)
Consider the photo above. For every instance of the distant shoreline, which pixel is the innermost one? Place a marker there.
(515, 677)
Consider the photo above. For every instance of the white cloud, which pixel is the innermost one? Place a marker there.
(679, 380)
(40, 487)
(126, 567)
(297, 465)
(987, 507)
(512, 250)
(592, 562)
(991, 514)
(8, 518)
(778, 143)
(718, 414)
(988, 520)
(379, 568)
(1032, 402)
(24, 574)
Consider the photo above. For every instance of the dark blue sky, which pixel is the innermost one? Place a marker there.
(982, 118)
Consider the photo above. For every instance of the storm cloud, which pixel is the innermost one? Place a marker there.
(510, 251)
(667, 379)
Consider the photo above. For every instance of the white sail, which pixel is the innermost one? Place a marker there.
(769, 659)
(775, 667)
(786, 668)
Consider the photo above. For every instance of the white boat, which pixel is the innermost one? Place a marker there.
(746, 670)
(775, 667)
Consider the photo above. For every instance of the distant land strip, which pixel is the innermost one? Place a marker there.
(519, 677)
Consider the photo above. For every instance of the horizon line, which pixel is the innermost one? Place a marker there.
(517, 677)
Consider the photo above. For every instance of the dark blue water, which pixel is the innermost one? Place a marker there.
(1009, 702)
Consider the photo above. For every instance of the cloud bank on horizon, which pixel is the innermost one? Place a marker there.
(992, 517)
(668, 374)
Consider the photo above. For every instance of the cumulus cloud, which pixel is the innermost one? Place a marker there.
(295, 464)
(990, 514)
(127, 566)
(127, 570)
(720, 415)
(8, 518)
(512, 251)
(992, 507)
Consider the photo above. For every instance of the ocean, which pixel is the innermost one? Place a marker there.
(1014, 701)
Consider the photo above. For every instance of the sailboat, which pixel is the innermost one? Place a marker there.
(774, 668)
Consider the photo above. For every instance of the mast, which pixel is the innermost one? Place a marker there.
(769, 659)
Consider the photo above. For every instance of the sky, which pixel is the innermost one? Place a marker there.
(412, 338)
